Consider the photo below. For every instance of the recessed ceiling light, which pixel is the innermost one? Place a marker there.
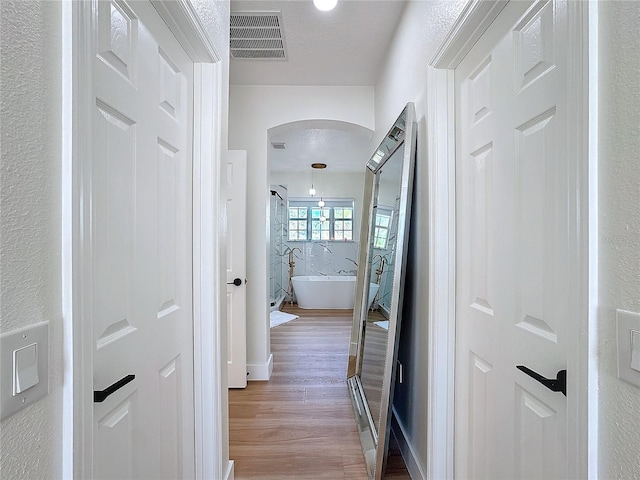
(325, 5)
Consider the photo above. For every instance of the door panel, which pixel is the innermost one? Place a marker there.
(512, 247)
(480, 401)
(114, 434)
(535, 214)
(236, 206)
(113, 201)
(141, 180)
(169, 160)
(480, 255)
(537, 437)
(117, 38)
(170, 412)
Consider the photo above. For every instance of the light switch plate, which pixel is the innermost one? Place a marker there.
(628, 346)
(22, 381)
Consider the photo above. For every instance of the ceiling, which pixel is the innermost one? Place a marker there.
(344, 147)
(346, 46)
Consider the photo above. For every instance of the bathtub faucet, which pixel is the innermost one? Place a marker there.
(380, 268)
(292, 264)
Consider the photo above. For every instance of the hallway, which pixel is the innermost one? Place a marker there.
(300, 425)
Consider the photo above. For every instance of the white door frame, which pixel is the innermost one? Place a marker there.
(582, 409)
(210, 393)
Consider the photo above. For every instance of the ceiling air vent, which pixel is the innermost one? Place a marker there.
(257, 35)
(279, 145)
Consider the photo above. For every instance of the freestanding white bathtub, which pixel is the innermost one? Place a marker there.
(328, 292)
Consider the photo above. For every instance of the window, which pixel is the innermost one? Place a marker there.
(320, 222)
(308, 221)
(298, 223)
(343, 223)
(381, 228)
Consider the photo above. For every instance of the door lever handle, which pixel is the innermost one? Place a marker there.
(236, 281)
(559, 384)
(101, 395)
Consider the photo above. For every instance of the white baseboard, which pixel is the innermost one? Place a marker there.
(260, 371)
(411, 459)
(229, 474)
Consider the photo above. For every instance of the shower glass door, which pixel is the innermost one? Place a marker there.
(278, 238)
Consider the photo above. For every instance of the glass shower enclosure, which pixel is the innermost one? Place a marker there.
(278, 285)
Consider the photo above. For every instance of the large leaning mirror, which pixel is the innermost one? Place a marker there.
(373, 349)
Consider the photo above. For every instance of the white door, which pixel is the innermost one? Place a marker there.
(514, 247)
(236, 191)
(141, 208)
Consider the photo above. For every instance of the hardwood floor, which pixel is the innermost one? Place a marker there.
(300, 424)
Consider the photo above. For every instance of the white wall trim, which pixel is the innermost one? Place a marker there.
(209, 285)
(78, 372)
(473, 21)
(582, 386)
(591, 96)
(409, 455)
(260, 371)
(209, 311)
(184, 23)
(68, 214)
(229, 474)
(442, 251)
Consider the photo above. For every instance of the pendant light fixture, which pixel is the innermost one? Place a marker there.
(312, 190)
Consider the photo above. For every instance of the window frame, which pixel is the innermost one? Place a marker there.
(382, 211)
(331, 204)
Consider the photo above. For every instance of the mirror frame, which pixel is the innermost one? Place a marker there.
(375, 444)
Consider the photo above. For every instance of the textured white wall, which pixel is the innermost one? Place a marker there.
(30, 232)
(30, 209)
(252, 111)
(404, 79)
(619, 237)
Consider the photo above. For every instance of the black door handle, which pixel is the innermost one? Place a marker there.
(236, 281)
(559, 384)
(101, 395)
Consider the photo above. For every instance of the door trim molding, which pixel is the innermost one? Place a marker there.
(471, 24)
(442, 268)
(473, 21)
(210, 394)
(184, 23)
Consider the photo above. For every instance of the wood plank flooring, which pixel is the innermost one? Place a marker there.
(300, 424)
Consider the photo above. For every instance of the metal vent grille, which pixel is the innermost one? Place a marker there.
(257, 35)
(256, 43)
(258, 19)
(279, 145)
(237, 33)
